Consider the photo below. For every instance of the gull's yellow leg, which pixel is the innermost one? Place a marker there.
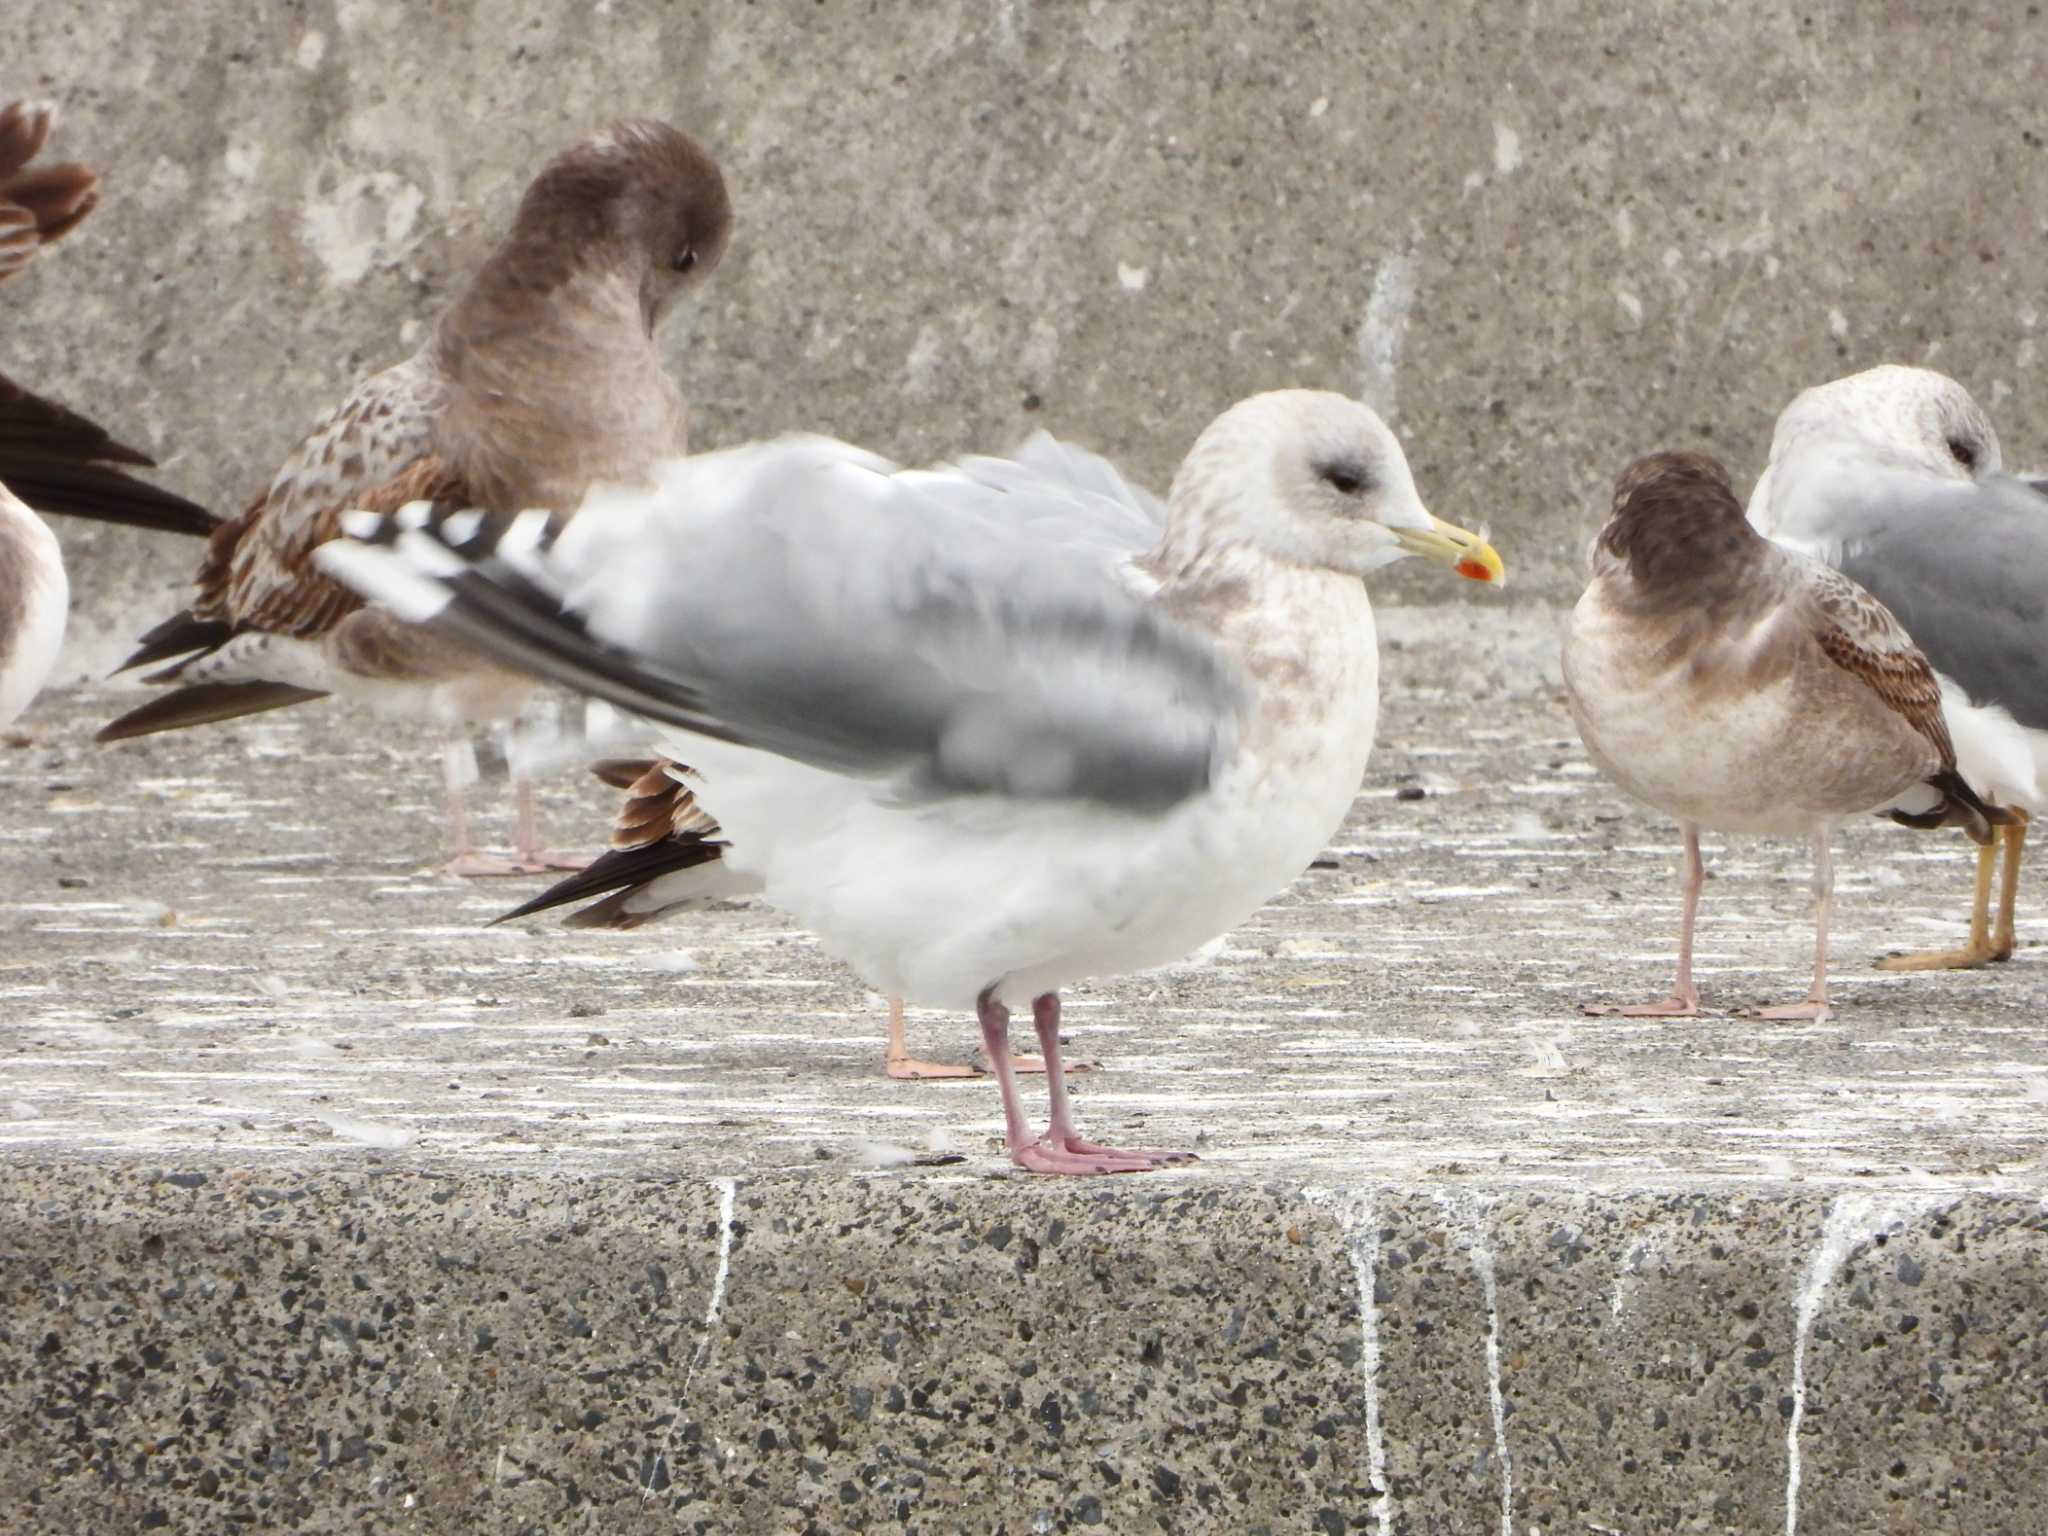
(2015, 837)
(1978, 950)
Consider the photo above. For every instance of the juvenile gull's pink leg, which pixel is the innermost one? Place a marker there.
(1684, 1001)
(1816, 1005)
(898, 1062)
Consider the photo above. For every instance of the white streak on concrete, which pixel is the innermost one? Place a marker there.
(714, 1311)
(1384, 331)
(1850, 1219)
(1474, 1215)
(1362, 1246)
(1507, 150)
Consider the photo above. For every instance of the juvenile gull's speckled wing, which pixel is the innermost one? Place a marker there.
(1858, 635)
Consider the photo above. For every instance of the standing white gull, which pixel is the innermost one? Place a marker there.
(986, 732)
(666, 854)
(1894, 477)
(541, 380)
(1744, 687)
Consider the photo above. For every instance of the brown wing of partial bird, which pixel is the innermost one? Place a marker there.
(659, 830)
(58, 461)
(39, 205)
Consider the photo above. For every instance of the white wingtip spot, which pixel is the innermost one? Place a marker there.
(361, 525)
(414, 515)
(461, 527)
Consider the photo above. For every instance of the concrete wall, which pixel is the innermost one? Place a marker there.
(1543, 238)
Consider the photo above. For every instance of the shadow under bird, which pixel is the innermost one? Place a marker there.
(542, 379)
(985, 729)
(1744, 687)
(1894, 476)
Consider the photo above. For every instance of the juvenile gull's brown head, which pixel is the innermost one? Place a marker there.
(640, 198)
(1677, 527)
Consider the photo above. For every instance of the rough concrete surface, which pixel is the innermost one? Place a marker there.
(1544, 239)
(328, 1210)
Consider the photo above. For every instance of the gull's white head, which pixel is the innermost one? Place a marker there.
(1314, 478)
(1844, 441)
(1911, 416)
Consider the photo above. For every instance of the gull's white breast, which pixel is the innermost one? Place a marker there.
(938, 900)
(36, 596)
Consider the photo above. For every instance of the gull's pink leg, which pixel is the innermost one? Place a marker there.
(1816, 1005)
(1045, 1017)
(995, 1041)
(899, 1063)
(528, 850)
(1060, 1150)
(1684, 1001)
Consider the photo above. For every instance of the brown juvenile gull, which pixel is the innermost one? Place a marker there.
(664, 860)
(1894, 476)
(1743, 687)
(541, 380)
(983, 729)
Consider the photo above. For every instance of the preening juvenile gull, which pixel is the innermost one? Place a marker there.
(1744, 687)
(540, 381)
(1894, 477)
(985, 730)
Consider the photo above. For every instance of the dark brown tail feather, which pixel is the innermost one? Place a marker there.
(59, 461)
(182, 634)
(202, 704)
(623, 870)
(1959, 807)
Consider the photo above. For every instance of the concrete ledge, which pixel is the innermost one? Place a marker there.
(199, 1350)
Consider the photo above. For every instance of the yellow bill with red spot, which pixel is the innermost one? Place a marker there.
(1463, 551)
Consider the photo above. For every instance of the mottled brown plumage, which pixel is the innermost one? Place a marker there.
(39, 205)
(540, 381)
(1744, 687)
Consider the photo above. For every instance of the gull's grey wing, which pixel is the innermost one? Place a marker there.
(966, 630)
(1966, 573)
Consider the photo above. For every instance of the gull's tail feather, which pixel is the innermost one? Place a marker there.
(203, 704)
(59, 461)
(622, 874)
(1959, 806)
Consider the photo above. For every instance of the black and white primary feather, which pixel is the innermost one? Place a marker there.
(985, 729)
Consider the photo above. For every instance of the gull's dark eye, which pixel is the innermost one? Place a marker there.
(1965, 452)
(684, 260)
(1348, 478)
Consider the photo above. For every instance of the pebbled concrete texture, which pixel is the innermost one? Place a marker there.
(327, 1210)
(258, 1349)
(323, 1210)
(1544, 242)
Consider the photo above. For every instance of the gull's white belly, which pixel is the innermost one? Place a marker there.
(938, 901)
(39, 598)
